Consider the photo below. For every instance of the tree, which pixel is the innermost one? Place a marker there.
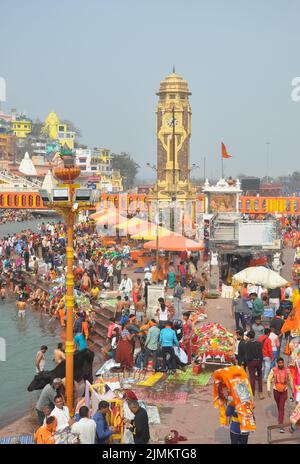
(127, 166)
(36, 128)
(71, 127)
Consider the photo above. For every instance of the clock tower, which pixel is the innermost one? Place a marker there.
(173, 132)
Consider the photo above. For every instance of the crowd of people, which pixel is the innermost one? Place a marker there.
(56, 425)
(15, 215)
(290, 227)
(260, 343)
(160, 343)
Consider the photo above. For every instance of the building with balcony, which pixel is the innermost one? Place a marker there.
(21, 126)
(97, 162)
(65, 136)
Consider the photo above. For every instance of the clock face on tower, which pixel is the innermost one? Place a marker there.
(172, 121)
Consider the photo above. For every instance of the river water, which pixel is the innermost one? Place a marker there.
(23, 339)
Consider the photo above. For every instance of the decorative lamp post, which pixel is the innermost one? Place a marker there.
(68, 174)
(68, 199)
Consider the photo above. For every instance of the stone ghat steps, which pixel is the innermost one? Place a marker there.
(103, 314)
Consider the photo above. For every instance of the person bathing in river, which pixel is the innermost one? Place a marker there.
(2, 294)
(40, 359)
(21, 306)
(59, 354)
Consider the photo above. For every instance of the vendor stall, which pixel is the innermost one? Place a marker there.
(213, 344)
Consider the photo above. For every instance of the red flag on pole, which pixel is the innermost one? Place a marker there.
(224, 151)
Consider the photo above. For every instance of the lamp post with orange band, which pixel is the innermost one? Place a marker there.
(68, 200)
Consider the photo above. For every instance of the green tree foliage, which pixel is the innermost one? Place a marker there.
(127, 167)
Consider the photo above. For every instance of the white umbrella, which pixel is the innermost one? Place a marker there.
(260, 276)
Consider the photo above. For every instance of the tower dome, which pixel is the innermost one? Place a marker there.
(173, 83)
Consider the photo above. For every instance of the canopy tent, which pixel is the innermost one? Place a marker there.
(134, 225)
(174, 242)
(260, 276)
(151, 232)
(99, 213)
(110, 217)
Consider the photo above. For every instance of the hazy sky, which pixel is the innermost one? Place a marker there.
(100, 62)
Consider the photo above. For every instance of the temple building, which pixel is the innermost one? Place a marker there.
(58, 131)
(27, 167)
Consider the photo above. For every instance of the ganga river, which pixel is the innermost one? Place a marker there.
(23, 338)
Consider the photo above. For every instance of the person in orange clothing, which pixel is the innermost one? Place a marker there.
(45, 434)
(144, 328)
(61, 313)
(244, 292)
(85, 327)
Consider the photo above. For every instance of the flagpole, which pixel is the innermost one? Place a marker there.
(222, 164)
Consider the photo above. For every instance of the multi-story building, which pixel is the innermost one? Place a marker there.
(97, 162)
(20, 126)
(94, 160)
(39, 146)
(65, 136)
(7, 149)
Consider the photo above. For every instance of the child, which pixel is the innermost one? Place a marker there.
(193, 286)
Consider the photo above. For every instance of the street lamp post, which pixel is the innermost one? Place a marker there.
(62, 200)
(157, 221)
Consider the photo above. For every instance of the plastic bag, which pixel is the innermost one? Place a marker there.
(128, 437)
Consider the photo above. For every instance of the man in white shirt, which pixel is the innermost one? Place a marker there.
(61, 413)
(275, 345)
(148, 274)
(126, 286)
(85, 428)
(288, 290)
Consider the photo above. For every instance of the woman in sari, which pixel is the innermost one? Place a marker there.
(124, 352)
(171, 279)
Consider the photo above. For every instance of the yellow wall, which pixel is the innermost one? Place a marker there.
(69, 142)
(21, 128)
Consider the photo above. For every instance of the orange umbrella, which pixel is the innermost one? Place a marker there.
(174, 242)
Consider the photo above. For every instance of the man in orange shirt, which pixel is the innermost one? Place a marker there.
(45, 434)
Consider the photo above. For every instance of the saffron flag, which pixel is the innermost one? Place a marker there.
(224, 152)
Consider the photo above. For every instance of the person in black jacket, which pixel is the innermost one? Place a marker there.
(241, 352)
(140, 423)
(254, 360)
(26, 259)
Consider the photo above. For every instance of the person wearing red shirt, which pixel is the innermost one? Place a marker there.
(267, 352)
(183, 273)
